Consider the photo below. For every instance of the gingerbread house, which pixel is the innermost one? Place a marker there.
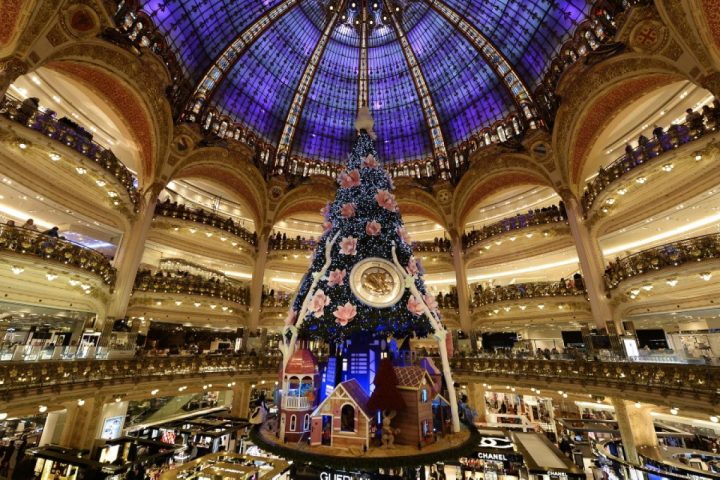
(342, 420)
(415, 421)
(300, 389)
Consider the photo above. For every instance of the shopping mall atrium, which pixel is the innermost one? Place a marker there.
(359, 239)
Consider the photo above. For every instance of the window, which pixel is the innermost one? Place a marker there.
(347, 418)
(306, 423)
(424, 395)
(293, 423)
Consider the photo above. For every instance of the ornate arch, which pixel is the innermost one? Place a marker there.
(232, 177)
(588, 106)
(491, 174)
(133, 86)
(15, 16)
(309, 197)
(414, 201)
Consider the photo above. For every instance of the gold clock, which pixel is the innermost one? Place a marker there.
(376, 282)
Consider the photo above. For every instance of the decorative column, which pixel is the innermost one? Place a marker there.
(476, 400)
(256, 287)
(461, 282)
(592, 262)
(241, 400)
(636, 428)
(10, 69)
(81, 422)
(130, 252)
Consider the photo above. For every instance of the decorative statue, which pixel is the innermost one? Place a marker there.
(388, 433)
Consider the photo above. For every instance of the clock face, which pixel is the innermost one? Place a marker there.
(376, 283)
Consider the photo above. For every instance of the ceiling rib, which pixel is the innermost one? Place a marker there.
(426, 101)
(296, 107)
(230, 56)
(509, 78)
(363, 67)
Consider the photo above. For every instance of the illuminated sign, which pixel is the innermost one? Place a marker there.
(498, 443)
(499, 457)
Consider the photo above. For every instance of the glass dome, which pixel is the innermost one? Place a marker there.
(294, 71)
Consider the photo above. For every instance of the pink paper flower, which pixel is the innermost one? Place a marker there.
(350, 179)
(345, 313)
(369, 161)
(348, 246)
(386, 200)
(318, 303)
(404, 236)
(291, 317)
(431, 302)
(372, 228)
(327, 226)
(348, 210)
(336, 277)
(412, 266)
(325, 210)
(415, 305)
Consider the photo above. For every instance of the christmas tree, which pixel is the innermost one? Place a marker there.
(365, 223)
(363, 278)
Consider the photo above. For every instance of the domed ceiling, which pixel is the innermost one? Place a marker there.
(437, 71)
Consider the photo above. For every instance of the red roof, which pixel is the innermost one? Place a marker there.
(301, 362)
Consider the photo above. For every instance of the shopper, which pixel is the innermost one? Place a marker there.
(53, 232)
(30, 225)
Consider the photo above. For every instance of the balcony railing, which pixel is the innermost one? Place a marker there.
(548, 216)
(439, 245)
(674, 137)
(296, 402)
(280, 243)
(675, 378)
(526, 290)
(146, 281)
(73, 136)
(199, 215)
(696, 249)
(53, 249)
(18, 377)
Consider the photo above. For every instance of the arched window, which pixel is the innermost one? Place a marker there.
(306, 422)
(293, 423)
(347, 418)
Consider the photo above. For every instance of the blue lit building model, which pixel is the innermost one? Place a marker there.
(364, 292)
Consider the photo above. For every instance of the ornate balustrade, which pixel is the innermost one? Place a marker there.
(669, 378)
(440, 245)
(551, 215)
(696, 249)
(199, 215)
(525, 290)
(145, 281)
(28, 242)
(279, 243)
(15, 378)
(73, 136)
(674, 137)
(277, 300)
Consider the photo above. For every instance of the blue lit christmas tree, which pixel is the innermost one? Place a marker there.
(364, 283)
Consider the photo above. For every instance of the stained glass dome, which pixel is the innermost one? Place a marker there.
(433, 72)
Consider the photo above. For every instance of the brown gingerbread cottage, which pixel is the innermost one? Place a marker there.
(415, 421)
(342, 420)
